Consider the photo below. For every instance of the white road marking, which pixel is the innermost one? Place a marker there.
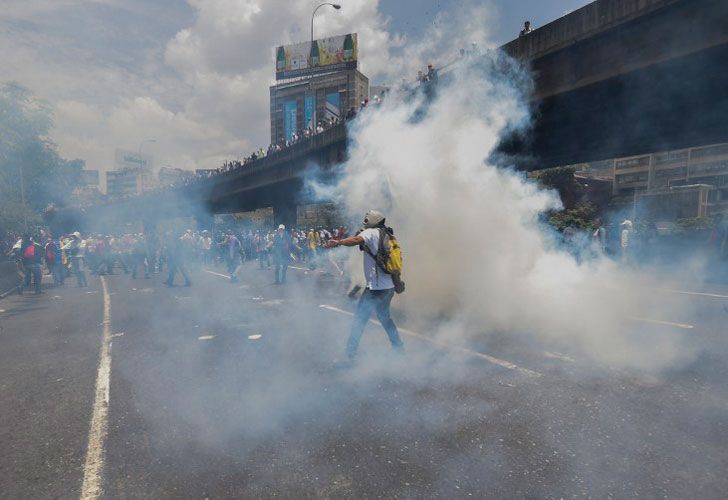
(206, 337)
(665, 323)
(95, 453)
(698, 294)
(558, 355)
(496, 361)
(254, 336)
(217, 274)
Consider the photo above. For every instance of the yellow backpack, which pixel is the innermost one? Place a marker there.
(389, 257)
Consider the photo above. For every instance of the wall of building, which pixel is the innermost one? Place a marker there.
(351, 86)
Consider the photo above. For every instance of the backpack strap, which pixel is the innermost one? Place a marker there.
(364, 247)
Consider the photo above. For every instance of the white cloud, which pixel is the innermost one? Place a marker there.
(195, 77)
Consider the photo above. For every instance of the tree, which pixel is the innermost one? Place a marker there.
(32, 173)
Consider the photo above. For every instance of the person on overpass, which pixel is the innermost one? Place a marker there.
(526, 29)
(379, 289)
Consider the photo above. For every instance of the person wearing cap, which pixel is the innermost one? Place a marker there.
(379, 291)
(281, 246)
(75, 250)
(625, 239)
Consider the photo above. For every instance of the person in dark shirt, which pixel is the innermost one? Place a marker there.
(31, 255)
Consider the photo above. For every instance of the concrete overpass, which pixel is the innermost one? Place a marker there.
(625, 77)
(614, 78)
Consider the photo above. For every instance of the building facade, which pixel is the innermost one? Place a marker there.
(298, 104)
(124, 182)
(172, 175)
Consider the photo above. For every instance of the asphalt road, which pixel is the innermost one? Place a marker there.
(227, 390)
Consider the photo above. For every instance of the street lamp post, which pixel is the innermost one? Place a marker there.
(334, 5)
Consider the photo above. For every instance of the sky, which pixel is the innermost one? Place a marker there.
(194, 75)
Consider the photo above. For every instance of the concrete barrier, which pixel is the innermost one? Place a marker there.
(9, 277)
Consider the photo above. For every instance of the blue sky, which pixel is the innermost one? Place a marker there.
(414, 16)
(195, 74)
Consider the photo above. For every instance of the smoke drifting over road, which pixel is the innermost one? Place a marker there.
(475, 249)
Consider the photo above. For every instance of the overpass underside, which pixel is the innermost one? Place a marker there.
(658, 81)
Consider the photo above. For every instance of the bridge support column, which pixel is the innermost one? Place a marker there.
(285, 212)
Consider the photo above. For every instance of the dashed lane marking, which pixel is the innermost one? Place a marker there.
(664, 323)
(698, 294)
(95, 453)
(491, 359)
(216, 274)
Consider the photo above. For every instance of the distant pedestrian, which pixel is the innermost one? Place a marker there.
(75, 249)
(54, 260)
(175, 260)
(281, 246)
(526, 29)
(139, 256)
(232, 255)
(380, 286)
(31, 255)
(599, 238)
(625, 240)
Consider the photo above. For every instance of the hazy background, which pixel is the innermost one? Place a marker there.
(194, 75)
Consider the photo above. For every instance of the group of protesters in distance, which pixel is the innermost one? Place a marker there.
(140, 254)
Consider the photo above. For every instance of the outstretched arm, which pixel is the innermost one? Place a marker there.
(351, 241)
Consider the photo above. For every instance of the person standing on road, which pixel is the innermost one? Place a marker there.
(138, 255)
(75, 250)
(625, 240)
(175, 261)
(31, 254)
(281, 246)
(379, 289)
(232, 255)
(54, 260)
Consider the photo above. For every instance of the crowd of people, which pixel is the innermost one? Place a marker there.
(139, 254)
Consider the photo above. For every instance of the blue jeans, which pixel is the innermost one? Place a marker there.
(378, 300)
(35, 273)
(281, 270)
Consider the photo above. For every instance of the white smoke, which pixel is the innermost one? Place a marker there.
(475, 251)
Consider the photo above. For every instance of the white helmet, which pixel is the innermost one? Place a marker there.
(373, 218)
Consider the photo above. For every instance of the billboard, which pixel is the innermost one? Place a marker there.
(333, 105)
(325, 54)
(290, 117)
(309, 112)
(125, 158)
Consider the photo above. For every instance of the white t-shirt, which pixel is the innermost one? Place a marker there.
(376, 278)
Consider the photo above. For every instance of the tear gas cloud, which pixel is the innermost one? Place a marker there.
(475, 248)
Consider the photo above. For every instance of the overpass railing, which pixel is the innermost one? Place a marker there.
(332, 135)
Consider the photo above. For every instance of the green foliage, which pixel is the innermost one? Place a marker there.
(558, 178)
(693, 224)
(29, 162)
(580, 217)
